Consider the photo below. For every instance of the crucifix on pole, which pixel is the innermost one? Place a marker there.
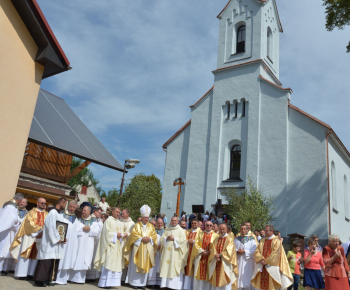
(179, 182)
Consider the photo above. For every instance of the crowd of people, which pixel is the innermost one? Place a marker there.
(66, 244)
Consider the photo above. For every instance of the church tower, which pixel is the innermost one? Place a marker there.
(249, 30)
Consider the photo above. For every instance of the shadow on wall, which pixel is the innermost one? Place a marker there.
(183, 168)
(307, 206)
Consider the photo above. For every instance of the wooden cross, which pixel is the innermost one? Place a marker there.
(178, 182)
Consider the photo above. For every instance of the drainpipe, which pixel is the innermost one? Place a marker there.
(329, 196)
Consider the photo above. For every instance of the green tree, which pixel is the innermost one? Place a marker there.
(141, 189)
(249, 205)
(337, 15)
(83, 177)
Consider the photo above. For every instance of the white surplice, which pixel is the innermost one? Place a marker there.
(133, 277)
(93, 274)
(70, 249)
(49, 248)
(246, 261)
(26, 267)
(153, 276)
(9, 226)
(109, 278)
(84, 252)
(128, 225)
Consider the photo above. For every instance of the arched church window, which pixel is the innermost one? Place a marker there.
(228, 110)
(241, 39)
(235, 104)
(235, 163)
(243, 107)
(269, 43)
(334, 186)
(346, 198)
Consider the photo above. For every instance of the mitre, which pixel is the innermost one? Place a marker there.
(145, 211)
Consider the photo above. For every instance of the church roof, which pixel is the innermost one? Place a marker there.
(202, 98)
(261, 1)
(56, 126)
(271, 83)
(176, 134)
(323, 124)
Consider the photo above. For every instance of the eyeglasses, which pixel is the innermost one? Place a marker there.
(42, 202)
(208, 225)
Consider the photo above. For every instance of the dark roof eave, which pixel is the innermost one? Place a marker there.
(50, 54)
(74, 154)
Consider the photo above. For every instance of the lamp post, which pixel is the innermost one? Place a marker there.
(129, 163)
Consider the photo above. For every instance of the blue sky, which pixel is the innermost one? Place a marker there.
(138, 66)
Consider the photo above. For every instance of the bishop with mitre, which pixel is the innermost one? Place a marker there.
(24, 246)
(271, 265)
(109, 252)
(223, 270)
(139, 250)
(191, 235)
(173, 256)
(200, 253)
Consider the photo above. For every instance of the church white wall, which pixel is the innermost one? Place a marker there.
(339, 192)
(307, 198)
(236, 84)
(272, 158)
(257, 18)
(237, 13)
(175, 167)
(196, 189)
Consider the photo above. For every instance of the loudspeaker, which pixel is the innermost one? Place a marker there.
(219, 201)
(198, 208)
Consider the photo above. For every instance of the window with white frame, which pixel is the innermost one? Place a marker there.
(269, 43)
(346, 198)
(334, 187)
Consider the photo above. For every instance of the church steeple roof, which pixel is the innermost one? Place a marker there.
(261, 1)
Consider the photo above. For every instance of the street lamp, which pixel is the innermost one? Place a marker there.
(129, 163)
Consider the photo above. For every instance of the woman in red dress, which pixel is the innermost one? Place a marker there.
(337, 269)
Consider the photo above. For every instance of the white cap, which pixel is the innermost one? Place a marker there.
(145, 211)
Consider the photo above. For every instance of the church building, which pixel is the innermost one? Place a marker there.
(246, 126)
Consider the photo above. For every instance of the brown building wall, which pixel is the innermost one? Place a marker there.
(20, 78)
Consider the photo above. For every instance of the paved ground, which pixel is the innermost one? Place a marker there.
(10, 283)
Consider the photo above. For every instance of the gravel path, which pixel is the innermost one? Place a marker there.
(10, 283)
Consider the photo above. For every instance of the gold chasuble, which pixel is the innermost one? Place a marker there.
(276, 274)
(201, 263)
(174, 253)
(144, 254)
(190, 235)
(225, 271)
(109, 249)
(32, 223)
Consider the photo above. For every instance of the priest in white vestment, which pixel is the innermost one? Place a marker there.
(9, 225)
(174, 256)
(139, 250)
(245, 247)
(92, 274)
(154, 275)
(128, 225)
(70, 248)
(223, 270)
(110, 251)
(24, 246)
(50, 250)
(88, 229)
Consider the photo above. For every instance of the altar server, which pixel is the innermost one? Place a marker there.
(128, 225)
